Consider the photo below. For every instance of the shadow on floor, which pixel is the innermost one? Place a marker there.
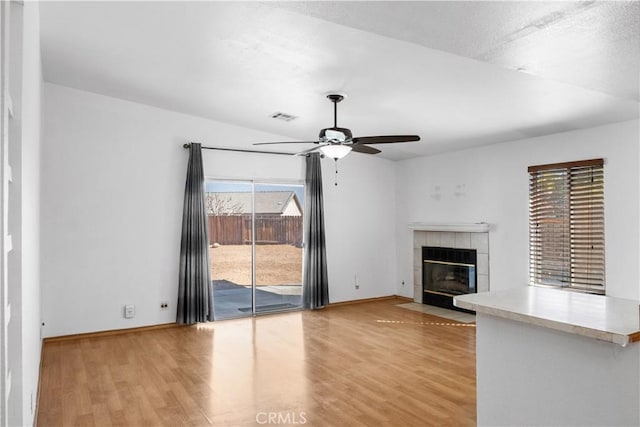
(232, 300)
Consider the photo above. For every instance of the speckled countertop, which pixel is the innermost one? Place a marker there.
(600, 317)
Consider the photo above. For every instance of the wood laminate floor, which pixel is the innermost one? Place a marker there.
(368, 364)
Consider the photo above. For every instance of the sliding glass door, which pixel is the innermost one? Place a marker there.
(278, 255)
(229, 211)
(255, 232)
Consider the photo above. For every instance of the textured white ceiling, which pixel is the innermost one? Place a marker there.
(590, 44)
(443, 70)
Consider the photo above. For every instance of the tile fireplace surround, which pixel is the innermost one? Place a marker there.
(459, 236)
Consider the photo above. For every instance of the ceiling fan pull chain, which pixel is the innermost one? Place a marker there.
(336, 176)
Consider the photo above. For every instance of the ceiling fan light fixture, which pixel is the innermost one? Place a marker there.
(335, 134)
(335, 151)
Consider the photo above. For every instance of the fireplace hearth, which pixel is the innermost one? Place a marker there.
(447, 272)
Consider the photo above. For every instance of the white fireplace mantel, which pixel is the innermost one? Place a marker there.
(476, 227)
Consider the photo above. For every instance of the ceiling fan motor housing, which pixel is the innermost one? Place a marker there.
(335, 135)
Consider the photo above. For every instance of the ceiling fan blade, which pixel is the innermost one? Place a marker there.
(310, 150)
(364, 149)
(287, 142)
(387, 139)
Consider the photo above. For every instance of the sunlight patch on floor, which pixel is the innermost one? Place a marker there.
(402, 322)
(458, 316)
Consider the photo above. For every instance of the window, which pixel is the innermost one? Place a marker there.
(566, 225)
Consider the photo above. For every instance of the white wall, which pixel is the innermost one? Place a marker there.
(14, 221)
(490, 184)
(113, 176)
(529, 375)
(23, 267)
(360, 213)
(31, 146)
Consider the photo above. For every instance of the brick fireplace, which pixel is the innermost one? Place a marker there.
(454, 236)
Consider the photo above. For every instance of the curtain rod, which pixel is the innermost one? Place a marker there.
(239, 150)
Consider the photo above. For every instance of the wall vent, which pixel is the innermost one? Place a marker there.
(283, 116)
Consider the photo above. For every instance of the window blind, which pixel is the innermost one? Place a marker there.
(566, 225)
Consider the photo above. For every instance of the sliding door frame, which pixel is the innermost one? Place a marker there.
(254, 182)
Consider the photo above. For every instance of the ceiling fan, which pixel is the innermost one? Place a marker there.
(337, 142)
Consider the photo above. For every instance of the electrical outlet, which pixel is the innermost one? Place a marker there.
(129, 311)
(164, 305)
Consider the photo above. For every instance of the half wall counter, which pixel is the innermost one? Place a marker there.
(553, 357)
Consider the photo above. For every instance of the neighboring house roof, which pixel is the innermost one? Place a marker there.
(266, 202)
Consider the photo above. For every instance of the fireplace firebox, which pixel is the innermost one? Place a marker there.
(447, 272)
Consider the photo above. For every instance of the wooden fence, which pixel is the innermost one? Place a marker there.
(270, 230)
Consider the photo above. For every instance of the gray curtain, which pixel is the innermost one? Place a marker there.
(315, 292)
(195, 293)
